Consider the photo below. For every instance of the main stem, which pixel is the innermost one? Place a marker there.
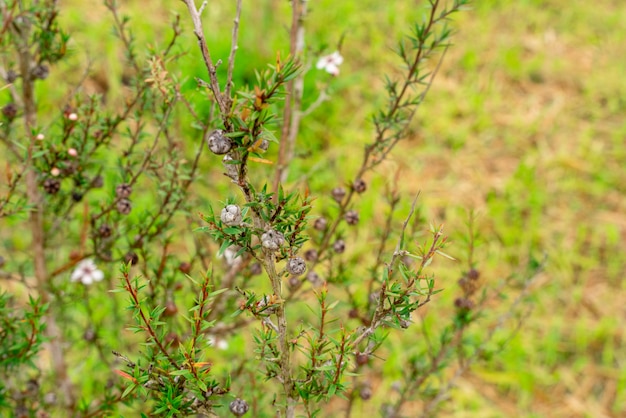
(269, 262)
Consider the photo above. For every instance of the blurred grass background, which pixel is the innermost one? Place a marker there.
(525, 124)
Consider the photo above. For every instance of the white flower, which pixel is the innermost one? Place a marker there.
(87, 272)
(330, 63)
(220, 344)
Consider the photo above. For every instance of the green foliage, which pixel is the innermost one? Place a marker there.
(219, 315)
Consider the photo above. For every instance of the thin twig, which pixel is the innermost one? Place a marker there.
(233, 51)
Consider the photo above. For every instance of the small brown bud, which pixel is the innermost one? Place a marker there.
(105, 231)
(123, 190)
(131, 257)
(184, 267)
(320, 224)
(11, 76)
(97, 182)
(9, 111)
(51, 186)
(339, 246)
(365, 392)
(338, 193)
(256, 269)
(170, 308)
(40, 72)
(294, 283)
(362, 359)
(172, 339)
(463, 304)
(77, 196)
(359, 185)
(89, 335)
(352, 217)
(124, 206)
(473, 274)
(314, 278)
(310, 255)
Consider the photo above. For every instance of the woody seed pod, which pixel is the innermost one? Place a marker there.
(359, 185)
(52, 186)
(231, 169)
(123, 190)
(218, 142)
(272, 240)
(231, 215)
(352, 217)
(339, 246)
(238, 407)
(40, 72)
(338, 193)
(320, 223)
(10, 111)
(296, 266)
(124, 206)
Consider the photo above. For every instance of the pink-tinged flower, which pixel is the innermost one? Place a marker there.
(330, 63)
(72, 116)
(55, 171)
(40, 137)
(72, 152)
(86, 272)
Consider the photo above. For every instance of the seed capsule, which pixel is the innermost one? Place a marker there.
(219, 143)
